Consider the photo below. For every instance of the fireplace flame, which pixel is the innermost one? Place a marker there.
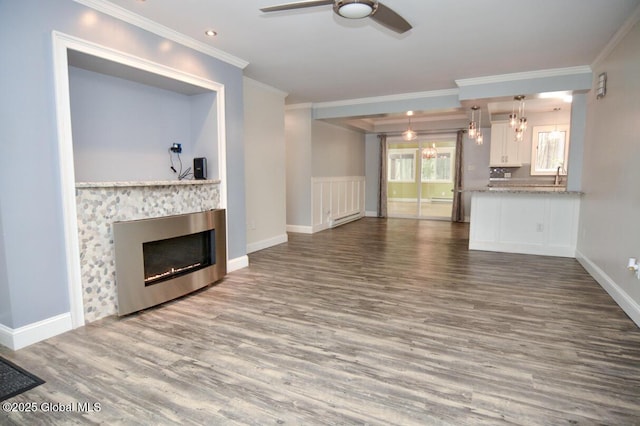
(173, 271)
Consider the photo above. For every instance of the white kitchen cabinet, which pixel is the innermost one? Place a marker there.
(505, 151)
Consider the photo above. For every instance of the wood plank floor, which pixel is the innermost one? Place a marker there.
(377, 322)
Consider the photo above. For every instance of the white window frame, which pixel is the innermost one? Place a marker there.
(451, 151)
(534, 150)
(401, 151)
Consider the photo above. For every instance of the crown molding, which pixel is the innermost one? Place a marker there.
(617, 37)
(388, 98)
(501, 78)
(129, 17)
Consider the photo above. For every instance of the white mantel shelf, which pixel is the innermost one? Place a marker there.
(125, 184)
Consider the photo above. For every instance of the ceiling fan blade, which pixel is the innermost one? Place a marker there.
(296, 5)
(390, 19)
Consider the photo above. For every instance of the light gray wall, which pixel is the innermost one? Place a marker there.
(476, 166)
(319, 149)
(609, 216)
(204, 131)
(372, 175)
(30, 189)
(577, 140)
(6, 315)
(265, 162)
(122, 130)
(336, 151)
(298, 153)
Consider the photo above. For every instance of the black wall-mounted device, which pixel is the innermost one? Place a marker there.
(176, 147)
(200, 168)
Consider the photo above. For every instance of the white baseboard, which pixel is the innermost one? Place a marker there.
(621, 297)
(300, 229)
(318, 228)
(507, 247)
(237, 263)
(370, 213)
(6, 336)
(269, 242)
(32, 333)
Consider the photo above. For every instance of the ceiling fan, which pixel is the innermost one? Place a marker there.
(353, 9)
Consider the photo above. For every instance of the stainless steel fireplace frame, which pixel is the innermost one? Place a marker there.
(129, 237)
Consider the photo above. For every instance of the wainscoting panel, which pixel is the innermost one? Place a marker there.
(336, 200)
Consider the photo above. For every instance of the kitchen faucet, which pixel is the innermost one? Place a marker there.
(558, 177)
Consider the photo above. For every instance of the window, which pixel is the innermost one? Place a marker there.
(401, 165)
(549, 150)
(440, 168)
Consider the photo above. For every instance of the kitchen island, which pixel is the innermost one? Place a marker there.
(540, 220)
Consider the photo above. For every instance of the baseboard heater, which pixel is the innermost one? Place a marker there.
(344, 219)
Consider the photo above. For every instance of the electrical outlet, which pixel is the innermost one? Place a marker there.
(176, 147)
(507, 174)
(634, 266)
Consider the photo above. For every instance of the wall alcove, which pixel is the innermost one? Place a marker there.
(124, 119)
(117, 115)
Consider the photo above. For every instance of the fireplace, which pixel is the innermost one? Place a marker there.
(163, 258)
(172, 257)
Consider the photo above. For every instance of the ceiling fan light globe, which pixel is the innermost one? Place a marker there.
(355, 9)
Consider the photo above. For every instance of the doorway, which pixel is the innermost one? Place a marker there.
(420, 177)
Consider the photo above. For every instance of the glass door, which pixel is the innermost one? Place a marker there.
(420, 178)
(402, 185)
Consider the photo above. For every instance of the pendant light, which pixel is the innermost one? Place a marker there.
(479, 137)
(430, 152)
(475, 127)
(518, 121)
(409, 134)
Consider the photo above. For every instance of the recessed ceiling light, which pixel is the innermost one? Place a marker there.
(210, 33)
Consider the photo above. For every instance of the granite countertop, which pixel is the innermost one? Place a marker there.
(524, 189)
(121, 184)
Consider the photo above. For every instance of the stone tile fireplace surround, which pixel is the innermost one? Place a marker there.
(99, 204)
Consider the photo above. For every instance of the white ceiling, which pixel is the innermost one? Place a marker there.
(316, 56)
